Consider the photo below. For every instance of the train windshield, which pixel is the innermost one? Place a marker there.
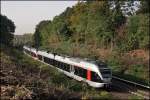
(106, 73)
(103, 68)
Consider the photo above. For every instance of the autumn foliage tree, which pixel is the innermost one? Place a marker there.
(98, 23)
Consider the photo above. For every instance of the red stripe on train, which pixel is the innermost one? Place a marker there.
(88, 74)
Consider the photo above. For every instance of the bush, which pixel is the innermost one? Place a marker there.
(134, 97)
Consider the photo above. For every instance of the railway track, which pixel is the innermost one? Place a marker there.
(125, 86)
(133, 83)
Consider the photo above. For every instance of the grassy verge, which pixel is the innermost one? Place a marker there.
(135, 98)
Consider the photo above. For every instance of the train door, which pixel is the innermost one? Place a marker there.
(72, 70)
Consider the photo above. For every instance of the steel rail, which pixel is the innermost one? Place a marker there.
(134, 83)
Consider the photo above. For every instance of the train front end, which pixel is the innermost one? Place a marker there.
(104, 72)
(106, 75)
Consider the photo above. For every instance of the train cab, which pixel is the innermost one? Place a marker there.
(30, 51)
(104, 74)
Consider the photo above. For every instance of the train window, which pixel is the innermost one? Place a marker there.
(80, 71)
(105, 73)
(55, 63)
(60, 65)
(33, 54)
(84, 72)
(66, 67)
(52, 62)
(95, 77)
(40, 57)
(47, 60)
(76, 70)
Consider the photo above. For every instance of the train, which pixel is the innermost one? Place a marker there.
(94, 72)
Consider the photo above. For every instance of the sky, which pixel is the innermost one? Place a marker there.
(27, 14)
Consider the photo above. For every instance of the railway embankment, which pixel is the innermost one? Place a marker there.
(25, 78)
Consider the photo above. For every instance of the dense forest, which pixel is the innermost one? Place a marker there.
(98, 24)
(114, 31)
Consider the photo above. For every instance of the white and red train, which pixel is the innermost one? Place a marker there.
(95, 73)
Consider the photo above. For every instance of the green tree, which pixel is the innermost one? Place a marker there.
(7, 27)
(116, 20)
(38, 34)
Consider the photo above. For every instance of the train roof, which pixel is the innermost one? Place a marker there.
(96, 62)
(46, 54)
(75, 60)
(88, 63)
(31, 49)
(99, 63)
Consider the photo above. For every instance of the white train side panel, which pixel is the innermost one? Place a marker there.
(76, 68)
